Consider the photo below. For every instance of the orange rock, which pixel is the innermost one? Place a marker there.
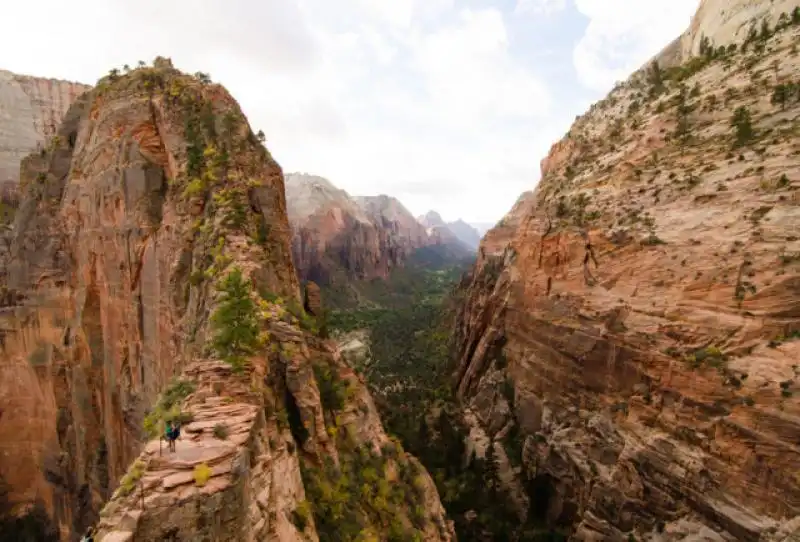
(640, 302)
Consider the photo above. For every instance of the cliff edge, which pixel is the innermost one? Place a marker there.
(149, 279)
(628, 337)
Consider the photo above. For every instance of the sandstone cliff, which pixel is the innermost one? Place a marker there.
(392, 215)
(31, 109)
(335, 240)
(149, 278)
(628, 336)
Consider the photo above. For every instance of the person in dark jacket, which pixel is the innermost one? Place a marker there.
(172, 432)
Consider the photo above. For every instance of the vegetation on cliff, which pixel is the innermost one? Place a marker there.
(409, 376)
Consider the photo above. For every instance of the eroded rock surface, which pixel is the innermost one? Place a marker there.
(152, 241)
(629, 333)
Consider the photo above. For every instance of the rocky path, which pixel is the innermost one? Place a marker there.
(210, 446)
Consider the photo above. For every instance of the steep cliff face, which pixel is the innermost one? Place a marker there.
(628, 338)
(336, 240)
(730, 21)
(152, 242)
(31, 110)
(458, 232)
(393, 216)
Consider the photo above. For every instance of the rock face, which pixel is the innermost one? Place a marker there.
(729, 21)
(152, 242)
(458, 232)
(631, 328)
(393, 216)
(31, 110)
(336, 240)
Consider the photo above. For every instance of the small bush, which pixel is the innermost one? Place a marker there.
(168, 408)
(132, 477)
(332, 389)
(220, 431)
(301, 515)
(195, 188)
(202, 473)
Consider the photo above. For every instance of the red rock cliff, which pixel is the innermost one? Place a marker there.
(336, 240)
(632, 326)
(151, 243)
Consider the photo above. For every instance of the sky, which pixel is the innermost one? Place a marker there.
(445, 104)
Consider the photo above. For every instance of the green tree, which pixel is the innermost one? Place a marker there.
(682, 116)
(656, 78)
(766, 32)
(780, 95)
(706, 49)
(796, 15)
(743, 125)
(235, 320)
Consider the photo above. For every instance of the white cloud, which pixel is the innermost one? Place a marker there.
(471, 78)
(545, 7)
(623, 34)
(422, 99)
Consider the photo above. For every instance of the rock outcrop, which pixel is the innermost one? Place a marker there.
(149, 279)
(457, 232)
(31, 110)
(335, 240)
(630, 331)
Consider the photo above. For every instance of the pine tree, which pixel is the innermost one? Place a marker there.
(656, 78)
(780, 95)
(683, 110)
(743, 125)
(235, 320)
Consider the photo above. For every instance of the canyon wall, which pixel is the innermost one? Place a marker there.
(149, 278)
(335, 240)
(31, 110)
(628, 339)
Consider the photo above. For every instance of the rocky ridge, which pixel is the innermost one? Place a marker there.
(149, 278)
(337, 238)
(627, 341)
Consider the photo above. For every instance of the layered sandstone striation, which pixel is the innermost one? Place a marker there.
(31, 110)
(149, 277)
(628, 339)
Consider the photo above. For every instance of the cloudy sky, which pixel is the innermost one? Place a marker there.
(445, 104)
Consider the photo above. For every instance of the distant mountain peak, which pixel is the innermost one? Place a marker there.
(458, 229)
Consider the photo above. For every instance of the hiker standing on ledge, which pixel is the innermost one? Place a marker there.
(172, 432)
